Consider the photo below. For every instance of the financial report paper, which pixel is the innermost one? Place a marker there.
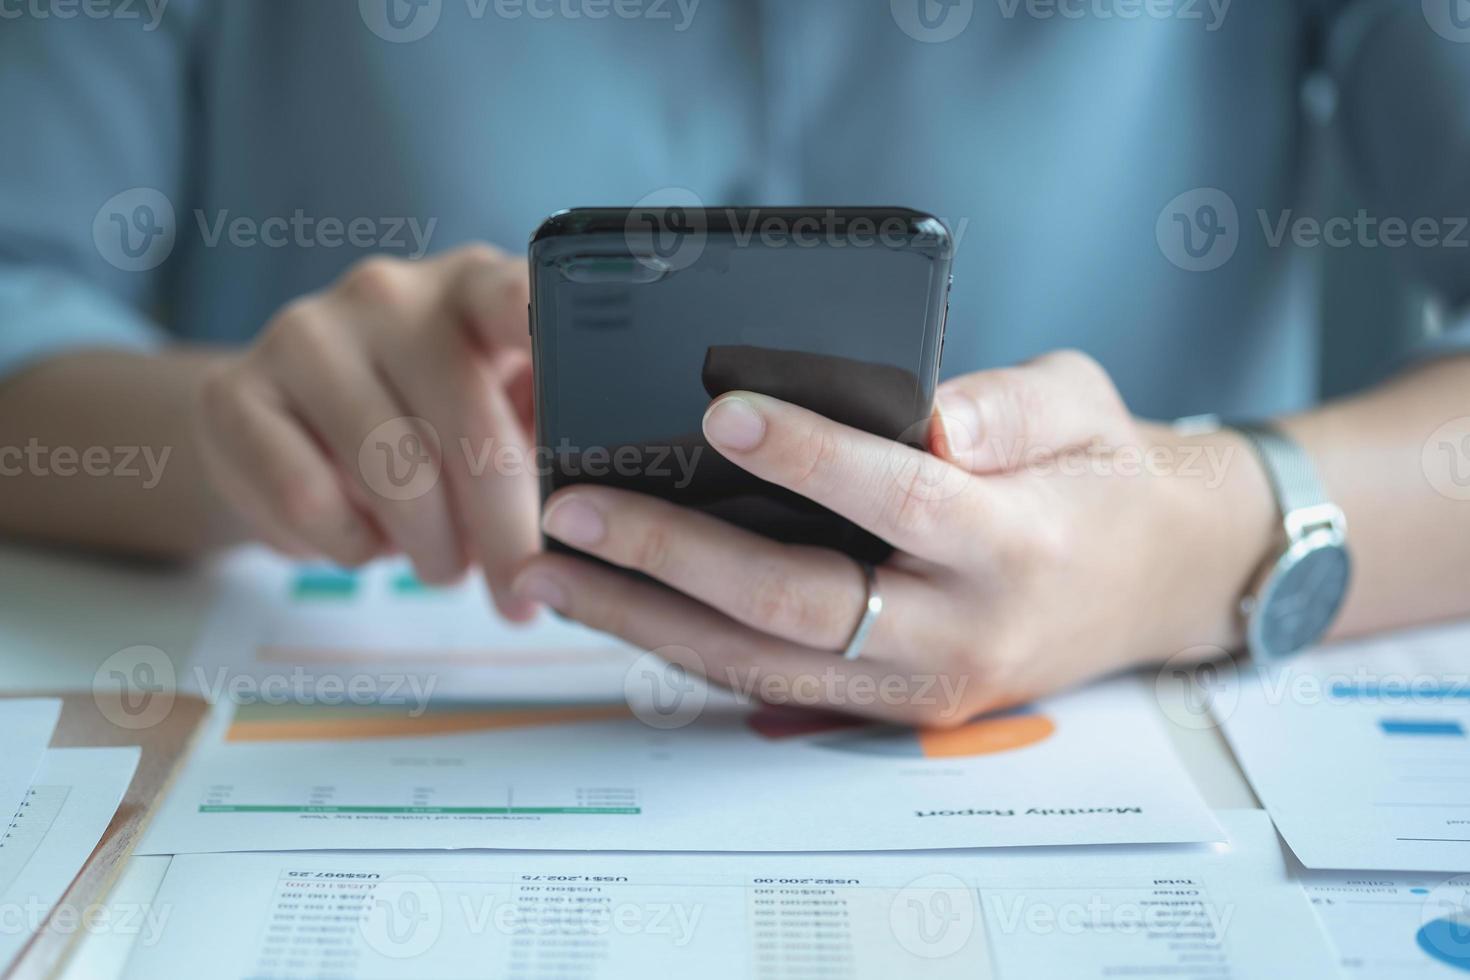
(66, 809)
(1361, 752)
(1091, 767)
(362, 709)
(1188, 912)
(27, 724)
(1394, 926)
(316, 632)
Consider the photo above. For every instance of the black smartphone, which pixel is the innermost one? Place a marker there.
(641, 317)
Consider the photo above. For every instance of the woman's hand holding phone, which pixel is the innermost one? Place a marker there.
(357, 423)
(1037, 548)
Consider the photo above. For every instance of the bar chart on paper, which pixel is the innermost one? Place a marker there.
(1377, 773)
(1089, 767)
(409, 784)
(319, 625)
(385, 613)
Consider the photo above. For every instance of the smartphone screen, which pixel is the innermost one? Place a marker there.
(640, 318)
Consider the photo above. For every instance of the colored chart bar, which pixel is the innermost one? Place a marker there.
(407, 583)
(258, 722)
(422, 810)
(324, 583)
(1402, 692)
(1452, 729)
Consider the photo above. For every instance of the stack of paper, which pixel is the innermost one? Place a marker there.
(61, 801)
(367, 727)
(27, 724)
(1361, 754)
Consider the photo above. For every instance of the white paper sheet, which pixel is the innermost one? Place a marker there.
(1086, 768)
(316, 632)
(1187, 912)
(26, 725)
(66, 810)
(1361, 753)
(1394, 926)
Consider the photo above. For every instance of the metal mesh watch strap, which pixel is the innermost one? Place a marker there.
(1293, 477)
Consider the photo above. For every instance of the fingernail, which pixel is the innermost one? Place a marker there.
(542, 588)
(733, 423)
(516, 610)
(573, 520)
(961, 423)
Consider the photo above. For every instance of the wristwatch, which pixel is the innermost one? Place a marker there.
(1298, 593)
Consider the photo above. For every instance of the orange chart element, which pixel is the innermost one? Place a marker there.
(318, 723)
(985, 736)
(1004, 734)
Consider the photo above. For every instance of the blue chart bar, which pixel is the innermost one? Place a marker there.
(1402, 691)
(1392, 726)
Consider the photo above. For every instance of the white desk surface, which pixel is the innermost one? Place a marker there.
(62, 615)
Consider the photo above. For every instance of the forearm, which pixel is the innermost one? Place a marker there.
(1408, 533)
(96, 451)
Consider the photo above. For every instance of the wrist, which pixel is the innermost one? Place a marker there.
(1228, 528)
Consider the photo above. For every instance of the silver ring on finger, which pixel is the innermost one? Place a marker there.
(869, 618)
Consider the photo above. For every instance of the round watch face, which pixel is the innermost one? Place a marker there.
(1302, 596)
